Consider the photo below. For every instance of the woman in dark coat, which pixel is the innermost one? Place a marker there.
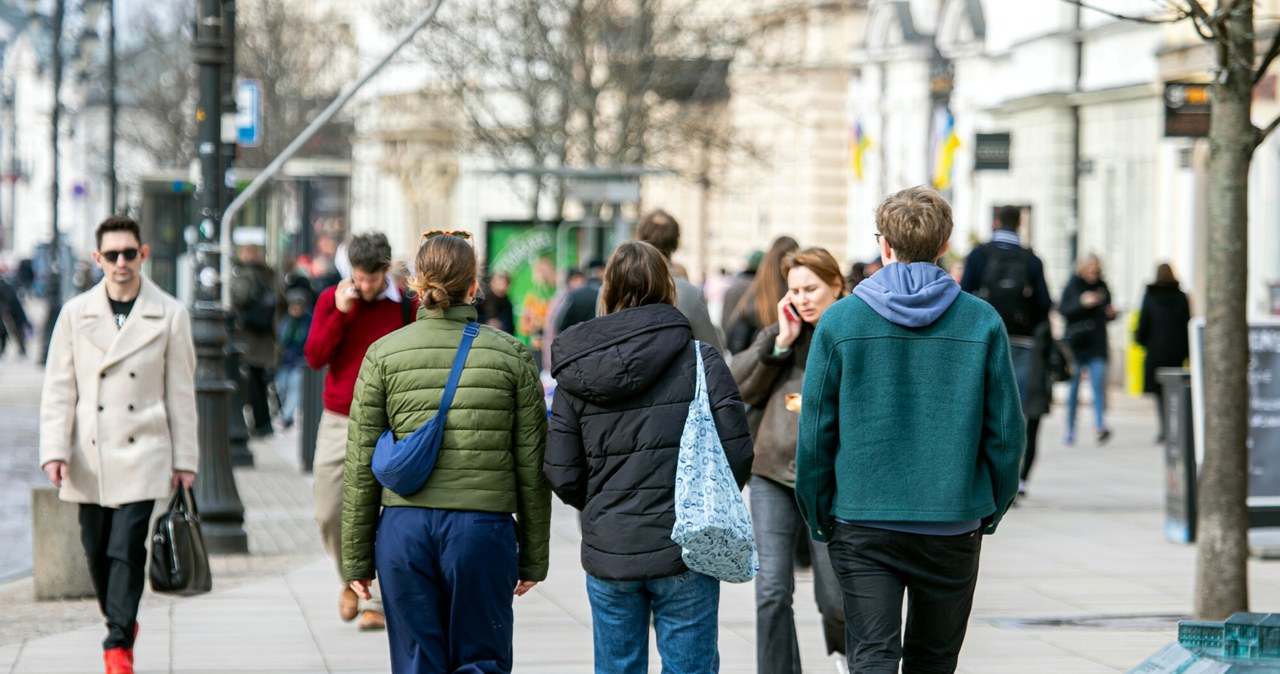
(1162, 331)
(624, 382)
(1086, 304)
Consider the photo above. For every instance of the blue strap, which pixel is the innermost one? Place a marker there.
(468, 334)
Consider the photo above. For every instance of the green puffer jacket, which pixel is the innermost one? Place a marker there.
(494, 438)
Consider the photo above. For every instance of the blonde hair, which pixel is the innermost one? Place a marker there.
(637, 275)
(916, 222)
(446, 270)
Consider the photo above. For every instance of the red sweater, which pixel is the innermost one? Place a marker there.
(339, 340)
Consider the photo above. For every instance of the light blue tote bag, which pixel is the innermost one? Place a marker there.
(712, 523)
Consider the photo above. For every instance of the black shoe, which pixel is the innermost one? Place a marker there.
(1103, 436)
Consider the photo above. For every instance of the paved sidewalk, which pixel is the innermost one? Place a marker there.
(1078, 580)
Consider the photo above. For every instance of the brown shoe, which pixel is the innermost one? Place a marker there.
(347, 604)
(372, 620)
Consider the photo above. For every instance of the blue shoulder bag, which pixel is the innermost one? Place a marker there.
(404, 465)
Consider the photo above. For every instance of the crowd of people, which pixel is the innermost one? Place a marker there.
(826, 390)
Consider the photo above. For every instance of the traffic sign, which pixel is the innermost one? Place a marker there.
(249, 113)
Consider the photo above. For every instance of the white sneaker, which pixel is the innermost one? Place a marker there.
(842, 663)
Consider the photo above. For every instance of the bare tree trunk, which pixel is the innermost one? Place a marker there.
(1222, 586)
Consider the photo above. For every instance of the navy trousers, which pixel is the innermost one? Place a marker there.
(115, 544)
(447, 581)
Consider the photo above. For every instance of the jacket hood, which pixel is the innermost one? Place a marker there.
(619, 355)
(912, 295)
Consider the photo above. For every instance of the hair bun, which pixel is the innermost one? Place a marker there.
(436, 295)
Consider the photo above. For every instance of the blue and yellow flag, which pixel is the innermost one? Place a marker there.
(945, 142)
(858, 144)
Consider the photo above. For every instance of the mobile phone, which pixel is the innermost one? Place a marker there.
(790, 310)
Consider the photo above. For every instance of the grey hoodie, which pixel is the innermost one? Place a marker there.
(912, 295)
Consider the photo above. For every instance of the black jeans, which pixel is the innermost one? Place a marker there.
(115, 543)
(938, 573)
(256, 392)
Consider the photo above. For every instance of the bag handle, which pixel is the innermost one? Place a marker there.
(468, 335)
(183, 500)
(701, 388)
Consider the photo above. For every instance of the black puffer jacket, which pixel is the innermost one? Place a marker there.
(623, 387)
(1086, 331)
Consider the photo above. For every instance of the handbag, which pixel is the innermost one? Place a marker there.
(179, 561)
(404, 465)
(712, 527)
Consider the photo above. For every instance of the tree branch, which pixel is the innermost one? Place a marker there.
(1272, 51)
(1152, 19)
(1266, 131)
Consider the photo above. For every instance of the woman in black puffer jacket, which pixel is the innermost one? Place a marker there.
(624, 382)
(1086, 304)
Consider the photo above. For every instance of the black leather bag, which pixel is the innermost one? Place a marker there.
(179, 562)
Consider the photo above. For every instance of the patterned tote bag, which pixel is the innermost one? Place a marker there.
(712, 523)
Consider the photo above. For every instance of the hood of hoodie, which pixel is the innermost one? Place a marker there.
(620, 355)
(912, 295)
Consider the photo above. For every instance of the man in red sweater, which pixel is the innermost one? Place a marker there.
(348, 318)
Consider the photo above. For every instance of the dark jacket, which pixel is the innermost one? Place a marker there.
(975, 271)
(257, 302)
(765, 380)
(742, 330)
(1162, 330)
(494, 436)
(1086, 330)
(623, 387)
(579, 306)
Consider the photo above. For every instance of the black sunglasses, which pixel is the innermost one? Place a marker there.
(130, 254)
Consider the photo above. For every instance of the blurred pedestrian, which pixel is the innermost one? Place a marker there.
(910, 442)
(758, 306)
(770, 375)
(255, 297)
(661, 230)
(450, 555)
(733, 295)
(1010, 278)
(581, 305)
(118, 422)
(13, 319)
(348, 318)
(291, 336)
(1162, 331)
(612, 453)
(496, 308)
(1086, 306)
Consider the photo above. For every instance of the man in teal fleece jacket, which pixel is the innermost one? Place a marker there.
(911, 437)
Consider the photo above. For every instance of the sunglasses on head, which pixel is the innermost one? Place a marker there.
(130, 254)
(460, 233)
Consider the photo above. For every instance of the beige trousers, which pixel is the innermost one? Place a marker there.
(327, 469)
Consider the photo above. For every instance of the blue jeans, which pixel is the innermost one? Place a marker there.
(1022, 357)
(447, 577)
(1097, 367)
(288, 389)
(775, 518)
(685, 610)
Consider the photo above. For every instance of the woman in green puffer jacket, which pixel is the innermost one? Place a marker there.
(450, 555)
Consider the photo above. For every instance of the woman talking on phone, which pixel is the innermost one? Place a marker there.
(770, 374)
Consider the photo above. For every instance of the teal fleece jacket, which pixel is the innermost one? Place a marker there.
(908, 424)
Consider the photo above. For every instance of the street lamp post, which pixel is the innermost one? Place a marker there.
(54, 278)
(221, 512)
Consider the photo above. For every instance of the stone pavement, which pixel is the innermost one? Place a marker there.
(1078, 580)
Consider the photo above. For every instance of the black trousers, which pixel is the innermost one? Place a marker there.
(256, 384)
(115, 543)
(938, 574)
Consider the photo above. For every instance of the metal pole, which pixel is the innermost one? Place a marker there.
(53, 280)
(237, 430)
(221, 512)
(112, 105)
(278, 163)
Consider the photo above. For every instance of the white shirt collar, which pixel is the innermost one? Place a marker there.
(392, 292)
(1006, 236)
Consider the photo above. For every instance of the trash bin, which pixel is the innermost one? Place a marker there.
(311, 408)
(1179, 456)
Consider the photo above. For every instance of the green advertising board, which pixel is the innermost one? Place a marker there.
(526, 252)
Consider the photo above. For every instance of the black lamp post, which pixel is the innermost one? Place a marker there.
(221, 511)
(53, 280)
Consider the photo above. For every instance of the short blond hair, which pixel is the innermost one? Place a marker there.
(916, 222)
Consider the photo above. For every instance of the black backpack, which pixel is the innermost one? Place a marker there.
(258, 314)
(1006, 285)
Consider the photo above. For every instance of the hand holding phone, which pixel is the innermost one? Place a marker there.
(788, 325)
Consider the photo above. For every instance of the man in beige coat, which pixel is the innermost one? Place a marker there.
(118, 421)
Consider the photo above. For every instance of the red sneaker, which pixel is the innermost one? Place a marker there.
(118, 660)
